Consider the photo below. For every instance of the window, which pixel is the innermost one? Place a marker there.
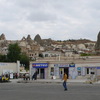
(52, 71)
(46, 55)
(90, 70)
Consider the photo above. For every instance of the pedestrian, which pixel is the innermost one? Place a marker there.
(65, 81)
(61, 75)
(16, 75)
(24, 76)
(35, 76)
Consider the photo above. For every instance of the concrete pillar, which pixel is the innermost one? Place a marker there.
(18, 67)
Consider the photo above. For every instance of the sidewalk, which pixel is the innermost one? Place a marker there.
(47, 81)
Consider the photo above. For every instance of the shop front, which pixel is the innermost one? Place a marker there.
(41, 68)
(88, 70)
(58, 70)
(95, 70)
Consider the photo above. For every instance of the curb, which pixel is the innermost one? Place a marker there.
(48, 81)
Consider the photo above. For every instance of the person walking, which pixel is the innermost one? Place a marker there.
(35, 76)
(64, 81)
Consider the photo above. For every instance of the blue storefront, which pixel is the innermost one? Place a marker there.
(48, 70)
(42, 69)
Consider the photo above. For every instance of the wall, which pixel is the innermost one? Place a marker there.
(13, 67)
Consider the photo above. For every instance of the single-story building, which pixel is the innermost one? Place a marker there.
(48, 69)
(9, 68)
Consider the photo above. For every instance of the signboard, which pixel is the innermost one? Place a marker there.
(79, 68)
(39, 65)
(11, 74)
(3, 64)
(72, 65)
(98, 67)
(61, 65)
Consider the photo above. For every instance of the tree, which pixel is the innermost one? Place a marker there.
(24, 59)
(3, 58)
(85, 54)
(14, 52)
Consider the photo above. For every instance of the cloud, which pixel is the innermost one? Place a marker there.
(56, 19)
(41, 16)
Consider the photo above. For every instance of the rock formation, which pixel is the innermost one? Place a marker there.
(38, 39)
(2, 37)
(97, 46)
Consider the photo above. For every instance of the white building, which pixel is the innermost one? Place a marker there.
(51, 54)
(73, 68)
(8, 68)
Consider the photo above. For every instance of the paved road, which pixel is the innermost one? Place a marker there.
(48, 91)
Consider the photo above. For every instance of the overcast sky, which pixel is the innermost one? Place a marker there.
(55, 19)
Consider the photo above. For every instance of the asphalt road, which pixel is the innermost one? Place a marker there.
(48, 91)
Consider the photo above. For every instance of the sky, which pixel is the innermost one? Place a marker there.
(55, 19)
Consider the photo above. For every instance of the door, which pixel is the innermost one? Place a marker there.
(42, 75)
(61, 73)
(66, 70)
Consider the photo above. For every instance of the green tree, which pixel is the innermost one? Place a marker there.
(84, 54)
(3, 58)
(14, 52)
(24, 59)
